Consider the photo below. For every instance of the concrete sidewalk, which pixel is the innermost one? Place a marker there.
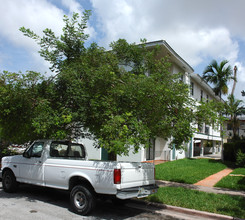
(210, 181)
(206, 185)
(162, 183)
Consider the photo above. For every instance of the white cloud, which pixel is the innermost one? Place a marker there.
(196, 45)
(194, 29)
(198, 31)
(36, 15)
(72, 5)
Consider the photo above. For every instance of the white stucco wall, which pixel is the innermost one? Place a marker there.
(162, 150)
(92, 152)
(137, 157)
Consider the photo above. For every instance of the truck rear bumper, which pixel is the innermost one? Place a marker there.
(137, 192)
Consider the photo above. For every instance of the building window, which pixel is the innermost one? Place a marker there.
(201, 95)
(207, 130)
(207, 98)
(200, 128)
(192, 89)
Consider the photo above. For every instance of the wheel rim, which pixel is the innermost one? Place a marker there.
(7, 181)
(80, 200)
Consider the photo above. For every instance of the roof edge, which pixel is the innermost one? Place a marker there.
(171, 50)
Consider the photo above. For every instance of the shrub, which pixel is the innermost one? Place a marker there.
(240, 159)
(231, 150)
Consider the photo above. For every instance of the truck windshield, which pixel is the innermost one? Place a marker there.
(67, 149)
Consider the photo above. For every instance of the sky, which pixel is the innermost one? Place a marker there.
(199, 31)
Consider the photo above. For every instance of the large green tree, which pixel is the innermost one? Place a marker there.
(17, 97)
(29, 108)
(219, 75)
(121, 97)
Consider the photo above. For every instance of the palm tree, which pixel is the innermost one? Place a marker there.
(234, 108)
(218, 75)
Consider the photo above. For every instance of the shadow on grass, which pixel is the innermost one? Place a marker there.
(242, 182)
(236, 212)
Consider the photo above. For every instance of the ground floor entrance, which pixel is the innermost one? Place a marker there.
(204, 147)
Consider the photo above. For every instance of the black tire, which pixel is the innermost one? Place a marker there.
(9, 182)
(82, 199)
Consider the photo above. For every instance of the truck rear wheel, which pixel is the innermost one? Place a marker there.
(82, 199)
(9, 182)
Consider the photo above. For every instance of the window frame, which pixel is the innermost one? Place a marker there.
(68, 150)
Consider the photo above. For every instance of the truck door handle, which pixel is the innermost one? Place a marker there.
(15, 166)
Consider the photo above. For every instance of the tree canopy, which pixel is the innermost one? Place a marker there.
(122, 97)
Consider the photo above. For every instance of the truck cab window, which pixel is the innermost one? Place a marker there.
(77, 151)
(67, 149)
(35, 150)
(58, 149)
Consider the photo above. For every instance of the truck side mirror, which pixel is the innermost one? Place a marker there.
(26, 155)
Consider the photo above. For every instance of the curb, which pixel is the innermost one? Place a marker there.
(193, 212)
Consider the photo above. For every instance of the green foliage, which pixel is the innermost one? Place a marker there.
(231, 150)
(234, 108)
(240, 159)
(122, 97)
(18, 93)
(207, 112)
(29, 108)
(66, 48)
(218, 75)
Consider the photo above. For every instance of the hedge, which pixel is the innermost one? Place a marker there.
(231, 150)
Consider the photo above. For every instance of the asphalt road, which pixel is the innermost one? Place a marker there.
(34, 203)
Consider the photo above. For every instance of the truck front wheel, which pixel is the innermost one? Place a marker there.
(82, 199)
(9, 182)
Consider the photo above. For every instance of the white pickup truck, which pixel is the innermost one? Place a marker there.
(64, 165)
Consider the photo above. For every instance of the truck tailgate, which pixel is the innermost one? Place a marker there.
(136, 174)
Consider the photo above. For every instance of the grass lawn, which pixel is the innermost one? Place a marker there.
(233, 182)
(210, 202)
(188, 170)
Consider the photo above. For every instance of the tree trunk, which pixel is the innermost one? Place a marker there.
(234, 83)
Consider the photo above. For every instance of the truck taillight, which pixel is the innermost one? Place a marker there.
(117, 176)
